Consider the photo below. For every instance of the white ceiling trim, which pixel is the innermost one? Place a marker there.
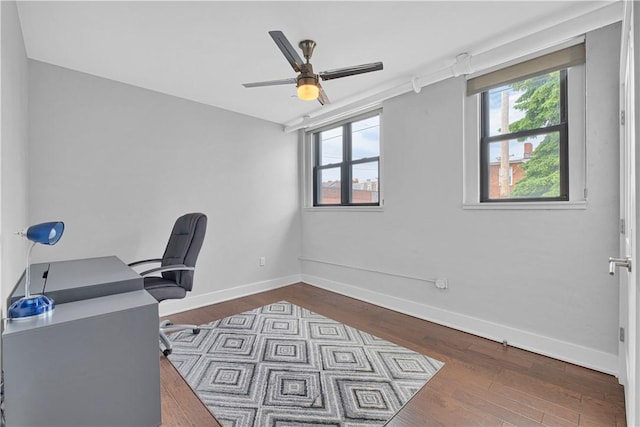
(542, 40)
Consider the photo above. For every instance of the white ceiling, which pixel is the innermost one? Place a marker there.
(205, 50)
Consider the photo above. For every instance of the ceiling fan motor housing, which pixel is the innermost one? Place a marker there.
(307, 80)
(306, 76)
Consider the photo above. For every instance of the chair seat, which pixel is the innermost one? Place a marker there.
(162, 289)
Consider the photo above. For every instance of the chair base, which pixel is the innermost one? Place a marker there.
(167, 327)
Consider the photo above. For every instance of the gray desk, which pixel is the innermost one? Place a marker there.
(94, 361)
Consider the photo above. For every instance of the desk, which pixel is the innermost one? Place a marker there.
(94, 360)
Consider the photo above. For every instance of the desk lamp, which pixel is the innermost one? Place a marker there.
(47, 233)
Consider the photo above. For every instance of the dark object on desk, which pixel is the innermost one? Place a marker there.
(176, 268)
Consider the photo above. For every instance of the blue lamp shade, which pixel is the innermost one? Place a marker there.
(47, 233)
(29, 306)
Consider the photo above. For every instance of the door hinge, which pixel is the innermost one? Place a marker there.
(621, 334)
(622, 117)
(622, 228)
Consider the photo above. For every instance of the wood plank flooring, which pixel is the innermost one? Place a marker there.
(482, 383)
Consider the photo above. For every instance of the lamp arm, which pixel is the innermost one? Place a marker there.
(176, 267)
(144, 261)
(27, 283)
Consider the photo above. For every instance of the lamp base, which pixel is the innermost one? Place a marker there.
(29, 307)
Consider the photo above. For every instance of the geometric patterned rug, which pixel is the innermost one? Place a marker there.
(283, 365)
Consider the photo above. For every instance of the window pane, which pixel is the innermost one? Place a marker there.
(531, 168)
(527, 104)
(331, 146)
(329, 188)
(364, 184)
(365, 138)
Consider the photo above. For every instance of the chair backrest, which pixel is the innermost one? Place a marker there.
(184, 246)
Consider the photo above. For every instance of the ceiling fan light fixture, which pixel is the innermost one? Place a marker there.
(308, 89)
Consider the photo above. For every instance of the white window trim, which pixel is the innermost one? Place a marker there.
(306, 136)
(577, 151)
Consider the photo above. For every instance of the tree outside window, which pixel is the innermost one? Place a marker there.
(524, 140)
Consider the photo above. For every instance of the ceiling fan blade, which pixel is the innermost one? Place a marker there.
(322, 96)
(287, 50)
(292, 80)
(350, 71)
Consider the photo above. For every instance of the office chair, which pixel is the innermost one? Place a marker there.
(176, 269)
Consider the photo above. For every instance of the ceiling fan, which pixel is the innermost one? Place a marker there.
(307, 82)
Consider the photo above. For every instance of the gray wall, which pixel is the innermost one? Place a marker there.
(13, 148)
(119, 164)
(529, 276)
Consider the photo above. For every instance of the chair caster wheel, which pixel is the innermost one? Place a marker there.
(166, 352)
(196, 331)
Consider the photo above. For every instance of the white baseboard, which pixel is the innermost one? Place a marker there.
(572, 353)
(196, 301)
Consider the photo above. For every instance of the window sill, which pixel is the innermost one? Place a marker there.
(582, 204)
(343, 209)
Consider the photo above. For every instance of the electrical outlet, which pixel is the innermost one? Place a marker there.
(263, 261)
(442, 283)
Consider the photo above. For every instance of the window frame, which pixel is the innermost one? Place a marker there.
(562, 129)
(346, 165)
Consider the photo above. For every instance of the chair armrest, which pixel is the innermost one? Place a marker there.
(145, 261)
(176, 267)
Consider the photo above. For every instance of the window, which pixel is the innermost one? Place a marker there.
(524, 133)
(346, 164)
(524, 140)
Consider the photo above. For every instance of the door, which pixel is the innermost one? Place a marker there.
(629, 295)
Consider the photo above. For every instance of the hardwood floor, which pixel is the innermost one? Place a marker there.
(482, 382)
